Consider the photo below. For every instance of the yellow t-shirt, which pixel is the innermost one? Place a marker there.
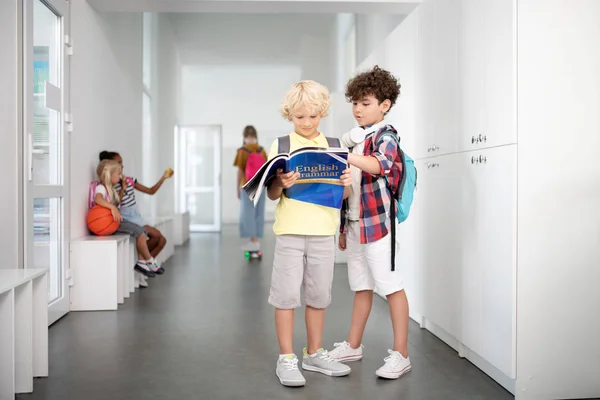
(293, 217)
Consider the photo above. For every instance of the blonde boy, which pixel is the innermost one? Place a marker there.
(305, 244)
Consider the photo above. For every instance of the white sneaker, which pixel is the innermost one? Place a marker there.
(395, 366)
(321, 362)
(342, 352)
(143, 282)
(287, 371)
(251, 246)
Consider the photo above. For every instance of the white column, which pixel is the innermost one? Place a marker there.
(40, 326)
(24, 338)
(7, 338)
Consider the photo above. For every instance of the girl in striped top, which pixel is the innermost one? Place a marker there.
(129, 210)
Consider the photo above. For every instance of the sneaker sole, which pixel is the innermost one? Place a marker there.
(349, 358)
(290, 383)
(392, 375)
(327, 372)
(142, 271)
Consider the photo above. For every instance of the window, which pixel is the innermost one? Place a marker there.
(147, 50)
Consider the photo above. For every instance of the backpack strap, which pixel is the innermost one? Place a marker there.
(393, 197)
(333, 142)
(283, 144)
(92, 194)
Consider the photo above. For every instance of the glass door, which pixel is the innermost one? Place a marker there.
(198, 158)
(46, 149)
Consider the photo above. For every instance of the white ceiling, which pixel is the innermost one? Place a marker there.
(403, 7)
(248, 39)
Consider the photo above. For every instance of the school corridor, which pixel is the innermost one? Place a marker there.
(204, 330)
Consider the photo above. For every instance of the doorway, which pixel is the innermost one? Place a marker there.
(198, 180)
(46, 147)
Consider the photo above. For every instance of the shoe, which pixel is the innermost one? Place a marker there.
(321, 362)
(342, 352)
(142, 281)
(287, 371)
(143, 268)
(251, 246)
(156, 268)
(395, 366)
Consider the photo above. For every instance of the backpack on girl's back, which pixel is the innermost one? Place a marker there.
(100, 220)
(255, 161)
(92, 191)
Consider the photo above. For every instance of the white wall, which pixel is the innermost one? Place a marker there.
(236, 70)
(305, 40)
(397, 53)
(168, 71)
(106, 96)
(10, 201)
(345, 25)
(163, 66)
(558, 301)
(559, 200)
(235, 96)
(372, 30)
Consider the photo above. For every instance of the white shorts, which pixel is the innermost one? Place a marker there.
(369, 265)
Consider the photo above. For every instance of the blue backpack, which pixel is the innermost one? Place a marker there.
(408, 182)
(404, 194)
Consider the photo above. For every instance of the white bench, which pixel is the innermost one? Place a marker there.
(181, 228)
(23, 330)
(102, 272)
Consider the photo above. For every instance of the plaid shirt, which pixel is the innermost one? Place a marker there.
(375, 198)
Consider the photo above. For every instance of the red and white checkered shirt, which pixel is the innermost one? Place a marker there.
(375, 197)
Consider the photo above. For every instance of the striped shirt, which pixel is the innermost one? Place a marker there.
(375, 198)
(128, 199)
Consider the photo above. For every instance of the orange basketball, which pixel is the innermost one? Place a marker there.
(101, 222)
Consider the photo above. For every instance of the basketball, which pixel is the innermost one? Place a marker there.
(100, 221)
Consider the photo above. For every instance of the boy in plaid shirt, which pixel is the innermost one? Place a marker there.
(366, 224)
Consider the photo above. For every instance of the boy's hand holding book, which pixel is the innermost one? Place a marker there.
(286, 180)
(346, 178)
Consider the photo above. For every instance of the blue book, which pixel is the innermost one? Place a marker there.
(320, 170)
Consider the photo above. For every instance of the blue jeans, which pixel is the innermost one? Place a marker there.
(252, 219)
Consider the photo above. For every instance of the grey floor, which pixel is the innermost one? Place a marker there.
(205, 331)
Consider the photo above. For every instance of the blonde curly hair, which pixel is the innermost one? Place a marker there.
(310, 94)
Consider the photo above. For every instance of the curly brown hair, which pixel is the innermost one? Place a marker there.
(375, 82)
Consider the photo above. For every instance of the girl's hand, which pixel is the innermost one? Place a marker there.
(346, 178)
(116, 214)
(286, 180)
(342, 242)
(123, 182)
(168, 173)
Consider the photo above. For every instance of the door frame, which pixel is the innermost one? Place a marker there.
(59, 307)
(180, 188)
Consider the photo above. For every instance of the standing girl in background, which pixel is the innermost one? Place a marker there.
(249, 158)
(105, 195)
